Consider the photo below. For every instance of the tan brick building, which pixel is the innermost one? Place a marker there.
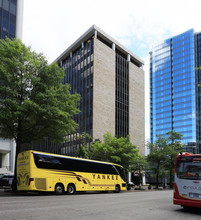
(110, 79)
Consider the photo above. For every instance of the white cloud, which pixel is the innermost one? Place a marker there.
(51, 26)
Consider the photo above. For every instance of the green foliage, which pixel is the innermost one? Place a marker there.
(174, 137)
(34, 103)
(115, 150)
(83, 140)
(171, 150)
(139, 165)
(163, 153)
(157, 157)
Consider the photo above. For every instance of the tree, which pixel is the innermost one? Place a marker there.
(34, 103)
(163, 153)
(157, 157)
(171, 150)
(174, 137)
(115, 150)
(83, 140)
(139, 166)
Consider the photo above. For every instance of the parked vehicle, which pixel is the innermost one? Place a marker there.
(130, 185)
(6, 181)
(45, 172)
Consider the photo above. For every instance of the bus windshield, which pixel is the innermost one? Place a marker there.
(189, 168)
(121, 172)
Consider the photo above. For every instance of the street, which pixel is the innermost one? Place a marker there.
(126, 205)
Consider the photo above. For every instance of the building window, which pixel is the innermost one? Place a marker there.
(79, 75)
(12, 8)
(6, 5)
(122, 96)
(12, 29)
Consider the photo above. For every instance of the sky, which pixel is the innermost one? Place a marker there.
(51, 26)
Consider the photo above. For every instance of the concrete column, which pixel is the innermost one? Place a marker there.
(95, 34)
(129, 177)
(19, 18)
(128, 58)
(143, 180)
(12, 156)
(113, 46)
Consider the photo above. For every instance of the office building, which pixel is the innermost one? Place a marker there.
(110, 79)
(11, 15)
(174, 92)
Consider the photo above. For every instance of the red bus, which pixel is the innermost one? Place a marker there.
(187, 185)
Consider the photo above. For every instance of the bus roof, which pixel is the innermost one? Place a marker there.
(76, 158)
(186, 154)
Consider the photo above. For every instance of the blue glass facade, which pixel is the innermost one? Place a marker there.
(173, 89)
(198, 78)
(8, 18)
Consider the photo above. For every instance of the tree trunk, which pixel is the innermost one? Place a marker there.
(14, 186)
(140, 176)
(157, 175)
(157, 180)
(171, 185)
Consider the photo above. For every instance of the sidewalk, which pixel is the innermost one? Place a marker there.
(146, 188)
(9, 192)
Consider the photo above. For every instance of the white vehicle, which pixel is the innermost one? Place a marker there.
(187, 186)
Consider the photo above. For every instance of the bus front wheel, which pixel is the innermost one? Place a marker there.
(71, 189)
(59, 189)
(117, 189)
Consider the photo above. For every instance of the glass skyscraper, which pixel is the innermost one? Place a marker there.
(174, 91)
(198, 79)
(11, 18)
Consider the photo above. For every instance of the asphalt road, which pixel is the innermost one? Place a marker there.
(144, 205)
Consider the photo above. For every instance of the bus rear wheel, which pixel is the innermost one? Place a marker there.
(59, 189)
(71, 189)
(117, 189)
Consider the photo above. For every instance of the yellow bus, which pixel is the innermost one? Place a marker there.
(38, 171)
